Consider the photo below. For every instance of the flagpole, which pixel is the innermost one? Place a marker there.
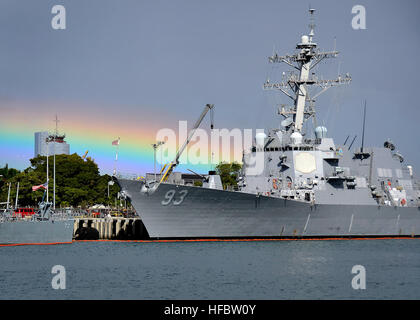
(54, 176)
(8, 196)
(47, 168)
(55, 139)
(17, 195)
(116, 157)
(115, 162)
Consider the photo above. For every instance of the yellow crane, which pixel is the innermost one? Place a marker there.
(169, 168)
(84, 156)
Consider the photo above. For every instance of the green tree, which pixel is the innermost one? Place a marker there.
(198, 183)
(7, 173)
(77, 181)
(229, 173)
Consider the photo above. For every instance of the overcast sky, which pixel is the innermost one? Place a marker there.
(172, 57)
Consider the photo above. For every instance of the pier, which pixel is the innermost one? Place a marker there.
(90, 228)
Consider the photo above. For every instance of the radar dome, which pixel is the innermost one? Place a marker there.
(305, 39)
(260, 137)
(296, 138)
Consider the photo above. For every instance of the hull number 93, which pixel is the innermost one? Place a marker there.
(176, 199)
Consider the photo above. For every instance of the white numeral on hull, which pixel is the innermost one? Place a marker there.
(170, 197)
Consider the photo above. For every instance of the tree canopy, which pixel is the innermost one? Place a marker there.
(7, 173)
(78, 182)
(229, 173)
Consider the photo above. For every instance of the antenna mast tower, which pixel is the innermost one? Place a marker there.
(296, 85)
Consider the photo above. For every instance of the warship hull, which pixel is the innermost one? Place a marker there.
(36, 232)
(177, 211)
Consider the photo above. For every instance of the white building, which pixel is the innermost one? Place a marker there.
(57, 146)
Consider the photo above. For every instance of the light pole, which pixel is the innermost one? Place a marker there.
(155, 146)
(110, 183)
(161, 164)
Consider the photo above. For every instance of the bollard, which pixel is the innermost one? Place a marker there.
(101, 234)
(118, 227)
(103, 228)
(109, 229)
(130, 227)
(75, 226)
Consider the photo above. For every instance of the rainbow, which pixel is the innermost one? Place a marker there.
(89, 127)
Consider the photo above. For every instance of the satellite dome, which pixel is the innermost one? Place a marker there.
(305, 39)
(296, 138)
(260, 137)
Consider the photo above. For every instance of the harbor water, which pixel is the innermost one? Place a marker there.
(213, 270)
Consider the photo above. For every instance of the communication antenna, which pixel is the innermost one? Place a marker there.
(212, 118)
(346, 140)
(352, 141)
(312, 23)
(56, 124)
(363, 130)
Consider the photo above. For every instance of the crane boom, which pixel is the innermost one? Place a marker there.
(175, 162)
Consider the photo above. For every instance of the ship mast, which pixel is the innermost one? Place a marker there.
(296, 86)
(55, 138)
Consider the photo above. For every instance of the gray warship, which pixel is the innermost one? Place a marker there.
(44, 227)
(309, 187)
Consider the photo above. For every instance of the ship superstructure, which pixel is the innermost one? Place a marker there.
(317, 170)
